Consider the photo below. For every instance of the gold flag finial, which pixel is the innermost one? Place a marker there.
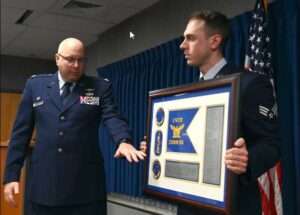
(265, 4)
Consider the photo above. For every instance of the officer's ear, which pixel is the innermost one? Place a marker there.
(56, 56)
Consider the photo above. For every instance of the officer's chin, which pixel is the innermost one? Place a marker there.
(75, 77)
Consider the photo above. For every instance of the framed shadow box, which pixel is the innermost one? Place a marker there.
(189, 129)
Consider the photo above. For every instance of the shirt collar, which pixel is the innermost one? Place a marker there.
(212, 72)
(61, 83)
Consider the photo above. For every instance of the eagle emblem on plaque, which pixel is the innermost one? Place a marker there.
(178, 138)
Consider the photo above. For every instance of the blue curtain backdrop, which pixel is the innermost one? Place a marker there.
(164, 66)
(286, 33)
(132, 79)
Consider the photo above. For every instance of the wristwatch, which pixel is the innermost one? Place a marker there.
(125, 140)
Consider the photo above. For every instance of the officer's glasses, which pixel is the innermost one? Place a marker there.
(73, 60)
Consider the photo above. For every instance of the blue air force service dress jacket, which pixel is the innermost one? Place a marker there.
(66, 165)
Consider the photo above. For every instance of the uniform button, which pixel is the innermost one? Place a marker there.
(61, 133)
(62, 118)
(59, 149)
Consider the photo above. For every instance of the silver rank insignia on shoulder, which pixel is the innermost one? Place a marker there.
(89, 100)
(269, 113)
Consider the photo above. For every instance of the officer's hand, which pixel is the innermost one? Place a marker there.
(10, 190)
(236, 158)
(128, 151)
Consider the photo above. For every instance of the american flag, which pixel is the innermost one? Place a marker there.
(258, 59)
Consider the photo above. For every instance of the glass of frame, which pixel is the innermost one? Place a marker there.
(189, 129)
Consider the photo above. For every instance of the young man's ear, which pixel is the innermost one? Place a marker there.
(215, 41)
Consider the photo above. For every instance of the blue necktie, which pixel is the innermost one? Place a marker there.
(66, 92)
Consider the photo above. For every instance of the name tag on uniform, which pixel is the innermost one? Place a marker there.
(39, 103)
(89, 100)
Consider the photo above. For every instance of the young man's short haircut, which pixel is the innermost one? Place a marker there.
(215, 22)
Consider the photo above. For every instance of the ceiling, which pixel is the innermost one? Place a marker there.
(44, 23)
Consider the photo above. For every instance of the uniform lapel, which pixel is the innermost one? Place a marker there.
(53, 92)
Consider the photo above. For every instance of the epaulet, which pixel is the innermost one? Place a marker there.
(98, 78)
(41, 76)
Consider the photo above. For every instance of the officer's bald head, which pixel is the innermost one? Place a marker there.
(71, 43)
(70, 59)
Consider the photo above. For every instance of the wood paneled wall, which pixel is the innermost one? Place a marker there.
(9, 105)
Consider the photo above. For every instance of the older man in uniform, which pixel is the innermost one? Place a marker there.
(66, 108)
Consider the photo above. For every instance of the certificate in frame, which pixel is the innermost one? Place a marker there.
(189, 129)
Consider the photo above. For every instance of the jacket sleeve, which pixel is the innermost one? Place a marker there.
(20, 137)
(260, 127)
(117, 126)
